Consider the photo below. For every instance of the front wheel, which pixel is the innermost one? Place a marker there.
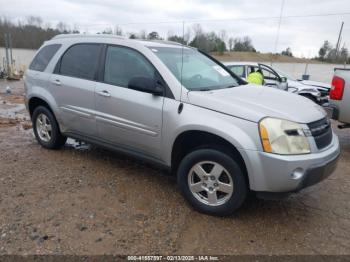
(46, 129)
(212, 182)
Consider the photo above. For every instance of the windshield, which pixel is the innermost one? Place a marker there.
(199, 73)
(282, 73)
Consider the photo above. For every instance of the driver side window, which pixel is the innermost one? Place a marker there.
(122, 64)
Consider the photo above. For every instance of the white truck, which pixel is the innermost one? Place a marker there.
(340, 97)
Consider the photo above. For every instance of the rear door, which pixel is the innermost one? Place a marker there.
(125, 117)
(73, 86)
(36, 75)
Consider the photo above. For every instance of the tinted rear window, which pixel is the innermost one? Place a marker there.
(80, 61)
(42, 59)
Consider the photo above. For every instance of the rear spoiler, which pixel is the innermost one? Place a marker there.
(343, 69)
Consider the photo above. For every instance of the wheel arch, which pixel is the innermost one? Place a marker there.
(189, 140)
(34, 102)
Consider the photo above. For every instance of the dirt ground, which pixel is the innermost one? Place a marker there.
(87, 200)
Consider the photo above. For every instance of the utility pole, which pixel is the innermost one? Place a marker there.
(339, 39)
(10, 48)
(8, 69)
(279, 25)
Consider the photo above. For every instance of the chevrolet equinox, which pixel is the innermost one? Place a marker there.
(178, 107)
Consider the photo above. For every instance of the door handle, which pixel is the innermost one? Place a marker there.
(104, 93)
(56, 82)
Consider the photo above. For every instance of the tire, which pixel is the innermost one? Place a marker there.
(209, 159)
(47, 133)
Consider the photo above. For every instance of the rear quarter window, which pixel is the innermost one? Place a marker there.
(42, 59)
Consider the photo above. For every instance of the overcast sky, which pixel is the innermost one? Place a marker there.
(303, 35)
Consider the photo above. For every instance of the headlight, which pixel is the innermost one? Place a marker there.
(283, 137)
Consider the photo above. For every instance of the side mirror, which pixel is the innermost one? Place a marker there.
(145, 84)
(283, 79)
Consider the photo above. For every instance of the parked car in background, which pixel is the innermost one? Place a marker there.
(340, 97)
(181, 109)
(323, 88)
(271, 77)
(276, 78)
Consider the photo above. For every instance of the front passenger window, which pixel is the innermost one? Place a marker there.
(123, 64)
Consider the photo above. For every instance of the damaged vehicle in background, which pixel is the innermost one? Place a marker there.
(276, 78)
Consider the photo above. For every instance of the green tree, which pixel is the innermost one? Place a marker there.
(154, 36)
(243, 44)
(178, 39)
(344, 54)
(287, 52)
(324, 50)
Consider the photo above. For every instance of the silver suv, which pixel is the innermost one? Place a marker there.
(179, 108)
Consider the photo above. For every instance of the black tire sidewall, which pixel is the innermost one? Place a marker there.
(230, 164)
(56, 136)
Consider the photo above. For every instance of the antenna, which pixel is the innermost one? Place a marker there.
(279, 25)
(182, 56)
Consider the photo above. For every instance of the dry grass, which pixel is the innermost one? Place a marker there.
(260, 57)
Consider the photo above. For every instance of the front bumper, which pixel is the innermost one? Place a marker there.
(312, 176)
(271, 173)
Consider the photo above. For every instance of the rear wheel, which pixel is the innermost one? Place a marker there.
(46, 129)
(212, 182)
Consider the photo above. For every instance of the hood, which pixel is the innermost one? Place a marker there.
(304, 88)
(253, 103)
(316, 84)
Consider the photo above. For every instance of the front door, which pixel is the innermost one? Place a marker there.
(125, 117)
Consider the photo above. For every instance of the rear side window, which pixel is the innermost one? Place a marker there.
(123, 64)
(42, 59)
(80, 61)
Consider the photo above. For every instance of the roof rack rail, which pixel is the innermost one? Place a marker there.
(166, 42)
(87, 35)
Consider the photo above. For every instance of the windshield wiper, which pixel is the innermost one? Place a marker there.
(229, 86)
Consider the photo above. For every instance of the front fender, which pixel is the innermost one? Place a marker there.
(241, 133)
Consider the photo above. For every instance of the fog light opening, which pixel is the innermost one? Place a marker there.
(297, 173)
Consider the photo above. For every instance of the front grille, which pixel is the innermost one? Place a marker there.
(324, 93)
(322, 132)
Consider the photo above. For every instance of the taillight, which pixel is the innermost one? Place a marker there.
(337, 89)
